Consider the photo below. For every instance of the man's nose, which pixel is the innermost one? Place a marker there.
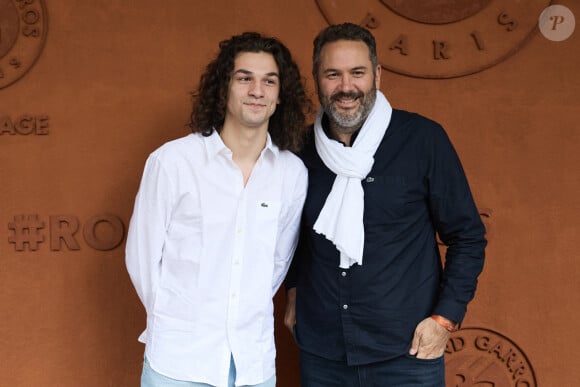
(346, 83)
(256, 90)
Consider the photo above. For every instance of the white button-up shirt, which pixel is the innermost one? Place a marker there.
(207, 255)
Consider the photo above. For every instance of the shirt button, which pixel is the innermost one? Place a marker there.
(234, 296)
(345, 307)
(343, 273)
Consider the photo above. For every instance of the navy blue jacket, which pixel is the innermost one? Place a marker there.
(416, 188)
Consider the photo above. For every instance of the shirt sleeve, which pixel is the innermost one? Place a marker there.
(291, 279)
(459, 226)
(289, 229)
(147, 231)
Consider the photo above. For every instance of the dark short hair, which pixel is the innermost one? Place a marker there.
(345, 31)
(287, 126)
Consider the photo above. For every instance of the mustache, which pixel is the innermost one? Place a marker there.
(341, 94)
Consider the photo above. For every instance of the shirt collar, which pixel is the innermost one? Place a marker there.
(215, 146)
(271, 147)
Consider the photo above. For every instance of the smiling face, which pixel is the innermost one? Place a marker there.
(253, 91)
(346, 85)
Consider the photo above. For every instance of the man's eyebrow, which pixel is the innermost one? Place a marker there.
(248, 72)
(242, 71)
(333, 70)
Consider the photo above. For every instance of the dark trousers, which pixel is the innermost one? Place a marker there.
(404, 371)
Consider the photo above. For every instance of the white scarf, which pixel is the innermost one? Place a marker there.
(341, 218)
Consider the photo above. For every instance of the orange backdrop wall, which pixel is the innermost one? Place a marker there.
(89, 88)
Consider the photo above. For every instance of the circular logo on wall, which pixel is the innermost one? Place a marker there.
(444, 38)
(23, 26)
(482, 357)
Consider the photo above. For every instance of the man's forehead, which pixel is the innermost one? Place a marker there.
(255, 62)
(344, 47)
(345, 57)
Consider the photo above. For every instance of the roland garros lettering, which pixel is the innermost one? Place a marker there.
(23, 30)
(25, 124)
(444, 38)
(477, 354)
(31, 16)
(100, 232)
(506, 354)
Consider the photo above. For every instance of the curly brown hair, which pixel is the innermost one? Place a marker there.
(287, 126)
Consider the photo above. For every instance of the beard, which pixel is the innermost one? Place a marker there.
(348, 122)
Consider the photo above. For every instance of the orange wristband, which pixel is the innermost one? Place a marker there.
(451, 327)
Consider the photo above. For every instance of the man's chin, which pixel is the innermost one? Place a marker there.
(346, 120)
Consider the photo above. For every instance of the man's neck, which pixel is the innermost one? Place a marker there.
(246, 145)
(344, 135)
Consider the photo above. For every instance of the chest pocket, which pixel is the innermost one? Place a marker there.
(389, 198)
(267, 218)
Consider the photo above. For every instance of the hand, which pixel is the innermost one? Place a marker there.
(429, 340)
(290, 314)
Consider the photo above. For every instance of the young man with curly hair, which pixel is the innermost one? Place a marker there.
(216, 221)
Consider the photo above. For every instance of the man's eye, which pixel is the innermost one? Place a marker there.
(358, 74)
(244, 79)
(270, 81)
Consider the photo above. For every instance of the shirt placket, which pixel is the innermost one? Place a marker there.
(346, 309)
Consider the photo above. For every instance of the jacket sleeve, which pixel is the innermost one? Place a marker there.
(459, 226)
(147, 231)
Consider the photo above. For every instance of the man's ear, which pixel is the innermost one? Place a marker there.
(316, 85)
(378, 76)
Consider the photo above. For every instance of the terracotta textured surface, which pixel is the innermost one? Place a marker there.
(112, 82)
